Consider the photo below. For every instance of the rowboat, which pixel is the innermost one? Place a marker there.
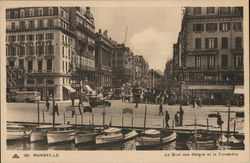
(16, 132)
(114, 135)
(62, 133)
(40, 133)
(233, 142)
(202, 142)
(154, 137)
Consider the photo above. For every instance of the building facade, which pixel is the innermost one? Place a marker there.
(83, 66)
(208, 55)
(122, 65)
(140, 71)
(34, 44)
(103, 58)
(155, 78)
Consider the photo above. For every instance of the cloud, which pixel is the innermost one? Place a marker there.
(154, 45)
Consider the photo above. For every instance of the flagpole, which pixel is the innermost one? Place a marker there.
(132, 119)
(145, 116)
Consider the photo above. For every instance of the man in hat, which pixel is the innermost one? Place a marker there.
(167, 118)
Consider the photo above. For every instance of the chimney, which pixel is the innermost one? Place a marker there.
(88, 10)
(100, 30)
(105, 32)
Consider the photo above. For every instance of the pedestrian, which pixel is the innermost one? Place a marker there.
(123, 96)
(219, 120)
(160, 110)
(56, 109)
(47, 105)
(181, 115)
(136, 104)
(167, 118)
(177, 118)
(72, 101)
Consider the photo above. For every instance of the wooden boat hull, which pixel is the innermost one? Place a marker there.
(102, 139)
(145, 141)
(83, 137)
(60, 136)
(38, 136)
(202, 145)
(16, 135)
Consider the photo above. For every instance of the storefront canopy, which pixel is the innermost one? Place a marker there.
(69, 88)
(239, 89)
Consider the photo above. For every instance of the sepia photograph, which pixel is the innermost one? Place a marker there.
(91, 78)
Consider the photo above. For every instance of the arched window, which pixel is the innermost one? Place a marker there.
(50, 11)
(21, 13)
(31, 12)
(40, 12)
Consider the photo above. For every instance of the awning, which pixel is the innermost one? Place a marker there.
(69, 88)
(239, 89)
(217, 87)
(87, 87)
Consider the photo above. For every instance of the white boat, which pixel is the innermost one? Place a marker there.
(40, 133)
(202, 143)
(154, 137)
(62, 133)
(113, 135)
(85, 137)
(16, 132)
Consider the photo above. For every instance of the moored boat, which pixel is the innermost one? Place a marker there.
(40, 133)
(114, 135)
(16, 132)
(62, 133)
(233, 142)
(85, 137)
(154, 137)
(202, 142)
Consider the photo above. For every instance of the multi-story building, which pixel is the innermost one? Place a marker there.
(104, 50)
(208, 55)
(83, 26)
(155, 78)
(140, 71)
(39, 42)
(122, 65)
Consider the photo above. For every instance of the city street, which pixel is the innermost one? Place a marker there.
(27, 112)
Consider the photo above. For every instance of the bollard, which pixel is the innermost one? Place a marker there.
(81, 119)
(75, 118)
(234, 126)
(207, 125)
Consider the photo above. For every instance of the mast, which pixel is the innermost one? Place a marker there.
(145, 116)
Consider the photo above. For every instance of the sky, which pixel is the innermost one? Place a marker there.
(151, 31)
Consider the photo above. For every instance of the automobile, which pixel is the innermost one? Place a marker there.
(95, 101)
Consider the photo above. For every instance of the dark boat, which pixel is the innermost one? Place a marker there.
(202, 142)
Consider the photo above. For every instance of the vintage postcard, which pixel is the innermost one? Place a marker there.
(125, 81)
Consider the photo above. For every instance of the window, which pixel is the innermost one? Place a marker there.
(21, 38)
(22, 25)
(63, 51)
(21, 13)
(211, 43)
(224, 61)
(40, 12)
(211, 27)
(31, 24)
(62, 13)
(31, 50)
(224, 10)
(237, 26)
(50, 49)
(197, 61)
(40, 37)
(197, 10)
(198, 27)
(31, 12)
(30, 65)
(63, 65)
(21, 50)
(238, 11)
(50, 11)
(238, 42)
(224, 42)
(11, 63)
(39, 48)
(13, 25)
(50, 23)
(197, 43)
(12, 38)
(211, 62)
(21, 63)
(210, 10)
(50, 36)
(40, 24)
(238, 60)
(30, 37)
(224, 26)
(40, 65)
(49, 64)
